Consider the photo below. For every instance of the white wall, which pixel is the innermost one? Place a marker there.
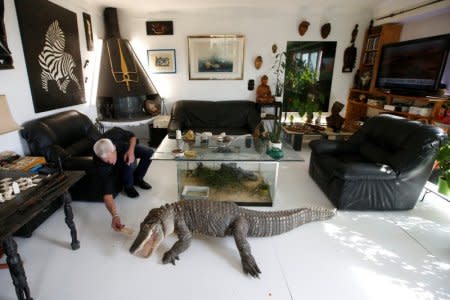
(261, 28)
(14, 83)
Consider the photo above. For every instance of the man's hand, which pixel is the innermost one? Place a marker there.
(129, 157)
(116, 224)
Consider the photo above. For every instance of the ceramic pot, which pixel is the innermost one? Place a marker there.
(443, 187)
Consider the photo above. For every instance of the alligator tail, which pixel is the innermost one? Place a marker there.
(272, 223)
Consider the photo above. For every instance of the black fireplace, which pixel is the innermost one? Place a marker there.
(125, 91)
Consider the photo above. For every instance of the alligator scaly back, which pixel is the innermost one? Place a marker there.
(263, 224)
(219, 219)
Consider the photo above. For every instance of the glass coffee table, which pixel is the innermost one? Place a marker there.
(237, 169)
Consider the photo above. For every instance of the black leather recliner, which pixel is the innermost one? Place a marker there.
(383, 166)
(69, 135)
(232, 117)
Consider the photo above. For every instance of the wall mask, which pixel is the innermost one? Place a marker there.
(303, 27)
(325, 30)
(258, 62)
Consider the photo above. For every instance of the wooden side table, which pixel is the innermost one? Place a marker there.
(340, 135)
(26, 205)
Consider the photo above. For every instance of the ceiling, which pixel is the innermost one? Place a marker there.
(147, 6)
(376, 8)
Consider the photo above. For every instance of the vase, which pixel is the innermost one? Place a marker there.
(443, 187)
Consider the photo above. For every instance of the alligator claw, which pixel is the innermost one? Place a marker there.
(250, 267)
(169, 257)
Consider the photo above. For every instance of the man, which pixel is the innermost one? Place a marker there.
(117, 152)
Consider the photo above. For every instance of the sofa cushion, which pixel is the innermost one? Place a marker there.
(232, 117)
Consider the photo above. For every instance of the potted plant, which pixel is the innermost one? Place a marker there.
(275, 135)
(278, 70)
(443, 161)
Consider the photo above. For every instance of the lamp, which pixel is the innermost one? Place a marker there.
(7, 124)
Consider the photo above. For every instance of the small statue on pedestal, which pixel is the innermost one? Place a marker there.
(263, 92)
(335, 121)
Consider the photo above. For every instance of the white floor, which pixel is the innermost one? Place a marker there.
(355, 255)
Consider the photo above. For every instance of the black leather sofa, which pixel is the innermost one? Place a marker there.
(383, 166)
(232, 117)
(69, 135)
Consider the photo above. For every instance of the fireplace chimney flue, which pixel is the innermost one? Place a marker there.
(111, 23)
(123, 85)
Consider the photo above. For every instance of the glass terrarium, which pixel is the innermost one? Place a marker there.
(236, 168)
(246, 183)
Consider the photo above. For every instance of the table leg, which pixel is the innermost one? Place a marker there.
(67, 199)
(298, 141)
(16, 269)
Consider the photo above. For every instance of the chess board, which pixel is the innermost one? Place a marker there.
(10, 187)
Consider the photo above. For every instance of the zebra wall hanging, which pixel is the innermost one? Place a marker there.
(52, 54)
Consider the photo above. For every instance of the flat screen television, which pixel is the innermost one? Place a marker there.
(413, 67)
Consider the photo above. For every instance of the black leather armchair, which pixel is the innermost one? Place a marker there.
(232, 117)
(383, 166)
(69, 135)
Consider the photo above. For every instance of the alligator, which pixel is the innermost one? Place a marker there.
(218, 219)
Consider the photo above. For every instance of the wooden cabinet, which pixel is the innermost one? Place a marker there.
(358, 108)
(375, 38)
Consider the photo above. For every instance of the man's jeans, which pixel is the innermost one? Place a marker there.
(130, 173)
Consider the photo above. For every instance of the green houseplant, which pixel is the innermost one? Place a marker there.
(443, 161)
(303, 89)
(275, 135)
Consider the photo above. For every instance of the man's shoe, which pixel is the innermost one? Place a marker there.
(131, 192)
(142, 184)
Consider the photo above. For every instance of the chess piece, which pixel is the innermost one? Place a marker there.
(15, 187)
(8, 194)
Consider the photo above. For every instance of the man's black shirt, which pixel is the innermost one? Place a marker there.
(121, 139)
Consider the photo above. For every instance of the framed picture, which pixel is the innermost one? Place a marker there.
(88, 31)
(219, 57)
(52, 54)
(159, 28)
(162, 61)
(6, 61)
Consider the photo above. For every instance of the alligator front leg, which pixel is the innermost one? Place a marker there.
(184, 241)
(239, 230)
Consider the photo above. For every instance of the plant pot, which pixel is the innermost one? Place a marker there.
(443, 187)
(275, 145)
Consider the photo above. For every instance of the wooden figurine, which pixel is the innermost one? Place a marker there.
(350, 53)
(263, 92)
(335, 121)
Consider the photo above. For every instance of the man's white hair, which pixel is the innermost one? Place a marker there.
(103, 147)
